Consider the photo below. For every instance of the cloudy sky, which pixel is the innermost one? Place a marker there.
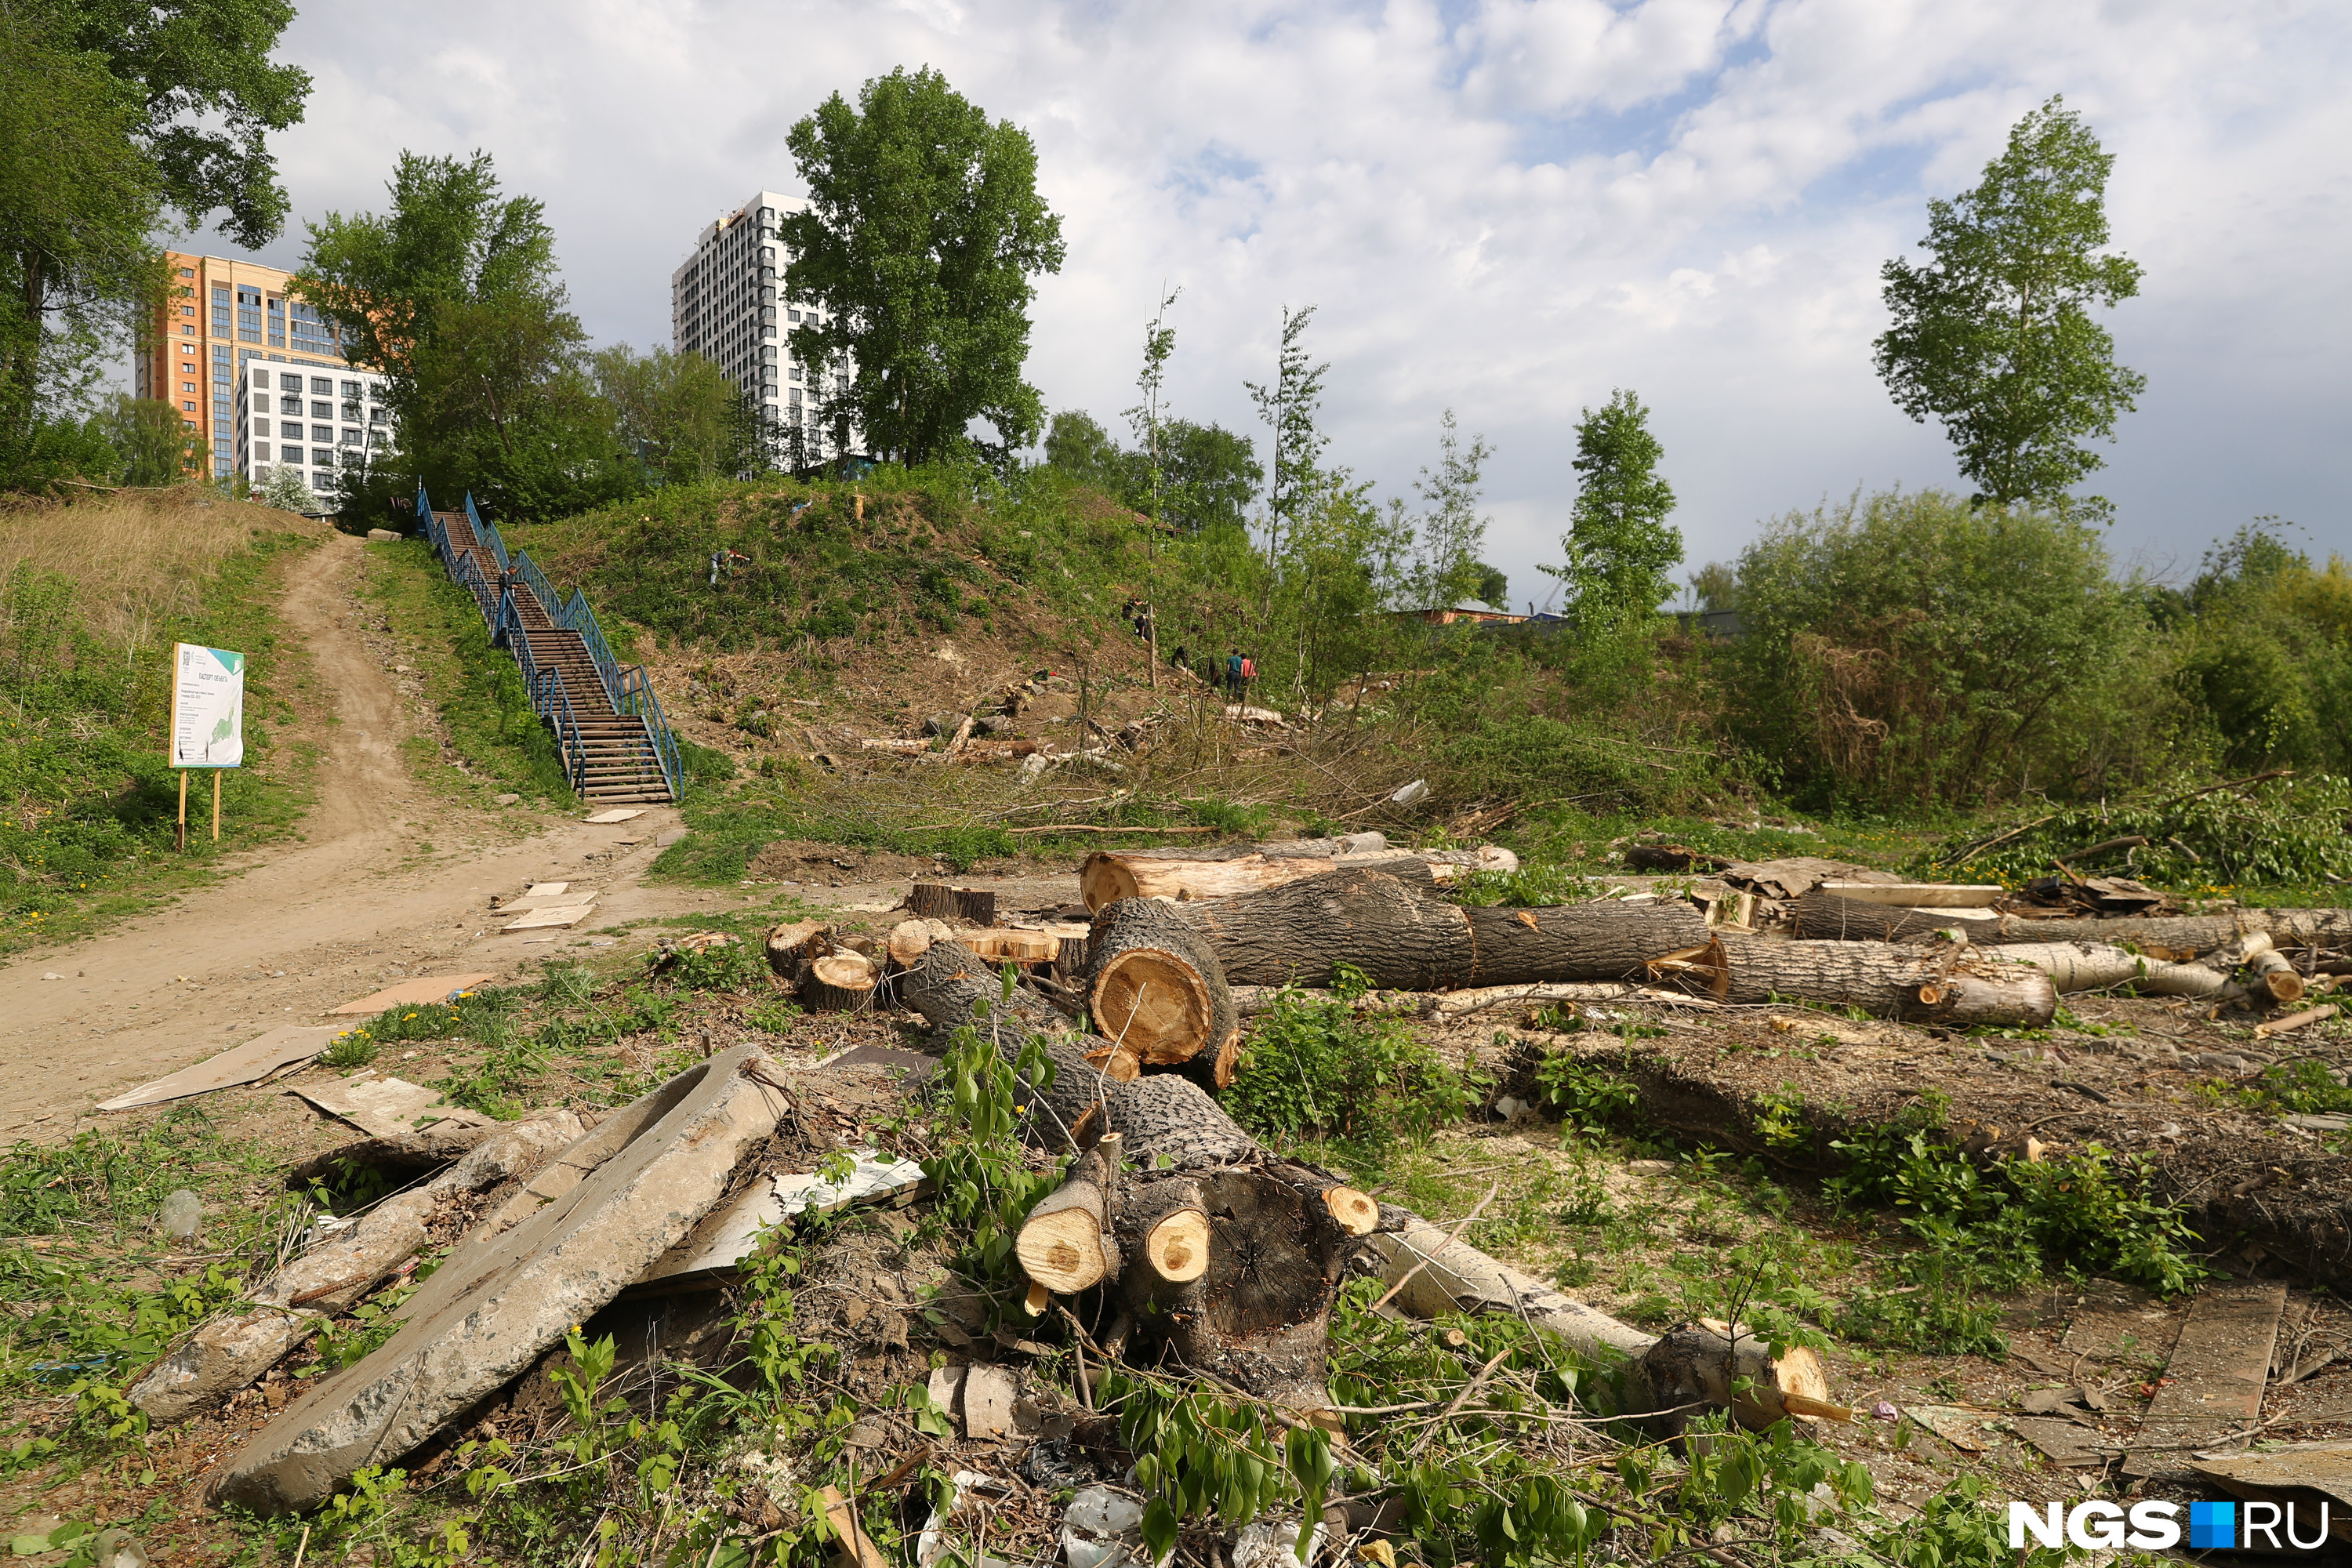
(1501, 208)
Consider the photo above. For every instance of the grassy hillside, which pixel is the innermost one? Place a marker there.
(92, 595)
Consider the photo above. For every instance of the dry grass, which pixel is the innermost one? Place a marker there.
(140, 557)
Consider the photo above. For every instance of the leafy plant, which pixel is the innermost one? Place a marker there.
(1319, 1068)
(982, 1173)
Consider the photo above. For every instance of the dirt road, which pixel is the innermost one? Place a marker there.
(295, 929)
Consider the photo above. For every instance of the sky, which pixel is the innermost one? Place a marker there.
(1506, 209)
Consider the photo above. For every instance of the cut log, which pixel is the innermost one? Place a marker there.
(2178, 937)
(839, 983)
(1956, 988)
(1108, 876)
(1401, 938)
(1356, 1212)
(793, 946)
(1156, 988)
(1829, 917)
(1007, 946)
(1709, 1364)
(1066, 1243)
(1916, 895)
(909, 940)
(2089, 967)
(2276, 976)
(938, 901)
(1276, 1235)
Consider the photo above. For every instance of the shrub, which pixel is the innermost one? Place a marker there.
(1919, 652)
(1318, 1069)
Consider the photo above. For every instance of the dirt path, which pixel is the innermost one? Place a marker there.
(291, 932)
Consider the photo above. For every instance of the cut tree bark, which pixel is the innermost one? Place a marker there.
(2276, 976)
(1957, 987)
(1108, 876)
(1829, 917)
(839, 983)
(2177, 936)
(2090, 966)
(1156, 988)
(1401, 938)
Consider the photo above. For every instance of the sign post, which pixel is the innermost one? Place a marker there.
(207, 719)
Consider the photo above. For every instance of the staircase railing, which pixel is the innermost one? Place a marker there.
(487, 533)
(629, 691)
(637, 700)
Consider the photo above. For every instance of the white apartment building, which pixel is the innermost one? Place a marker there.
(725, 305)
(310, 419)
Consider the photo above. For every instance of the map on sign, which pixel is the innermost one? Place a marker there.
(208, 706)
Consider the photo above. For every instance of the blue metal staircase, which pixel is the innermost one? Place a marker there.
(616, 746)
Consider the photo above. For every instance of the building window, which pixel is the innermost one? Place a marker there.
(322, 388)
(188, 408)
(289, 383)
(351, 437)
(350, 391)
(376, 416)
(376, 438)
(187, 272)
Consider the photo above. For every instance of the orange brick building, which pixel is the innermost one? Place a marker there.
(227, 338)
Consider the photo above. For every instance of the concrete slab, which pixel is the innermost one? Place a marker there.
(580, 898)
(2310, 1473)
(385, 1106)
(551, 919)
(501, 1298)
(729, 1233)
(249, 1063)
(409, 993)
(624, 814)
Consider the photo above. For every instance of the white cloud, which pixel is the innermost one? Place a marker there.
(1504, 207)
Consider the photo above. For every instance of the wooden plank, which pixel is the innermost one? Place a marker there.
(249, 1063)
(2213, 1382)
(1918, 894)
(552, 920)
(618, 814)
(409, 993)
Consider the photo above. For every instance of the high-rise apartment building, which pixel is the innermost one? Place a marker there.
(263, 379)
(725, 305)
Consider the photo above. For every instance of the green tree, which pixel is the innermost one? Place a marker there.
(1619, 544)
(456, 295)
(1289, 406)
(208, 99)
(1450, 532)
(922, 233)
(1078, 447)
(680, 414)
(79, 199)
(153, 443)
(1996, 338)
(2267, 652)
(1716, 586)
(1213, 476)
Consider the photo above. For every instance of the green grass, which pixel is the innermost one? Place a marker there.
(82, 752)
(473, 686)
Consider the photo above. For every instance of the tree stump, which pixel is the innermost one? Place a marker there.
(1156, 989)
(840, 983)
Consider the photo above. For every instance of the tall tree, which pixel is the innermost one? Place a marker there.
(686, 421)
(1450, 532)
(456, 295)
(1996, 338)
(1619, 544)
(922, 233)
(209, 97)
(1288, 406)
(153, 443)
(1213, 476)
(79, 199)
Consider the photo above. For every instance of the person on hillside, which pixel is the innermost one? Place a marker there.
(1233, 673)
(506, 588)
(1249, 677)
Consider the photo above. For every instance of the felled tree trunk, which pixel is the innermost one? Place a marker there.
(1390, 927)
(1155, 987)
(1435, 1274)
(1956, 988)
(1186, 876)
(1228, 1258)
(2177, 937)
(1827, 917)
(2091, 966)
